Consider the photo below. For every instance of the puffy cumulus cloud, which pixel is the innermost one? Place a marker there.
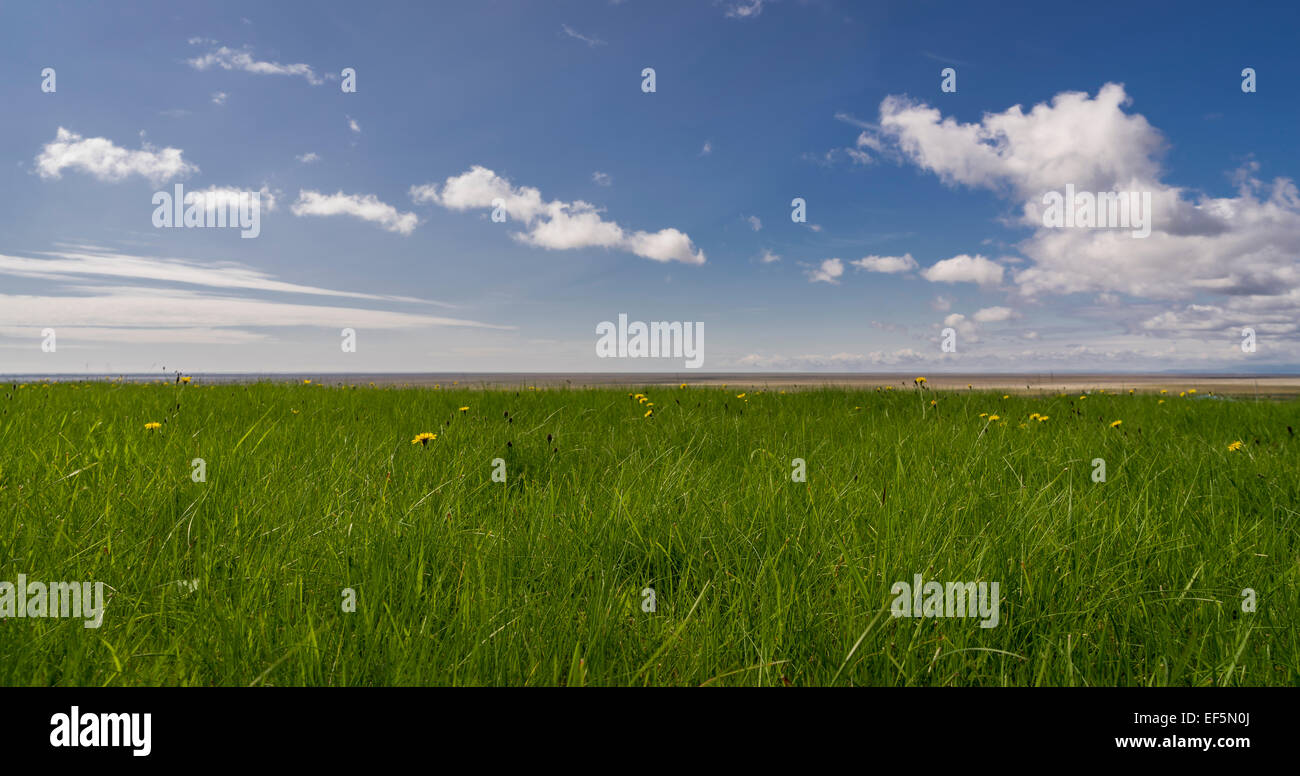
(995, 315)
(1229, 253)
(367, 207)
(104, 160)
(965, 269)
(215, 198)
(829, 271)
(554, 225)
(965, 327)
(1089, 142)
(242, 59)
(888, 264)
(1231, 246)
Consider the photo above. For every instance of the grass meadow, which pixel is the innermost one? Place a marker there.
(758, 579)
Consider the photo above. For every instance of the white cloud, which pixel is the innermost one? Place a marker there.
(367, 207)
(1235, 252)
(108, 162)
(353, 125)
(219, 98)
(554, 225)
(744, 9)
(995, 315)
(590, 40)
(707, 149)
(242, 59)
(829, 271)
(87, 262)
(755, 222)
(886, 264)
(964, 269)
(308, 158)
(965, 327)
(160, 309)
(768, 257)
(215, 198)
(111, 297)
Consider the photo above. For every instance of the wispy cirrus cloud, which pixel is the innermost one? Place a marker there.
(85, 262)
(590, 40)
(105, 296)
(227, 58)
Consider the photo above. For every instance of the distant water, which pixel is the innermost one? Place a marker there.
(1262, 384)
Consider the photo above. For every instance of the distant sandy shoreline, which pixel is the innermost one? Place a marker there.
(1262, 385)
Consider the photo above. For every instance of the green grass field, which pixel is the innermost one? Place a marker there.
(757, 579)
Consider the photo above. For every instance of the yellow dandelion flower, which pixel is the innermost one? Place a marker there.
(649, 404)
(185, 379)
(1024, 425)
(683, 385)
(1191, 391)
(648, 413)
(1164, 390)
(984, 414)
(1081, 398)
(423, 439)
(294, 411)
(1034, 416)
(994, 417)
(740, 396)
(1116, 423)
(933, 402)
(1042, 418)
(1182, 393)
(464, 409)
(919, 381)
(1006, 396)
(1235, 446)
(152, 426)
(642, 400)
(1162, 401)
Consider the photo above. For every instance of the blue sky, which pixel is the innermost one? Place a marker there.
(662, 205)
